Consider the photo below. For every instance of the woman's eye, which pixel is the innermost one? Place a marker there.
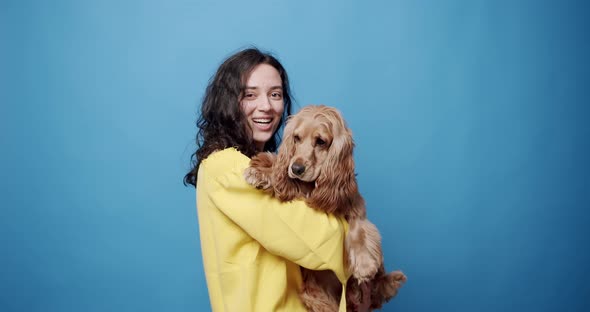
(320, 142)
(249, 95)
(276, 95)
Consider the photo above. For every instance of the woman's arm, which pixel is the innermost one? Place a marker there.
(292, 230)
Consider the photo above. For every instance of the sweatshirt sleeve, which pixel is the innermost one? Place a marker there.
(292, 230)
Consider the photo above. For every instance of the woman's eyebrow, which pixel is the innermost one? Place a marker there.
(271, 88)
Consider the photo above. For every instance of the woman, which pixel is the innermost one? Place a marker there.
(253, 245)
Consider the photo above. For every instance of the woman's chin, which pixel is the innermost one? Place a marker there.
(261, 141)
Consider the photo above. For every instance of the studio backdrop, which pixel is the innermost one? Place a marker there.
(470, 120)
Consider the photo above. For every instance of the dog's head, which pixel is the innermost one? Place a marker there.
(317, 148)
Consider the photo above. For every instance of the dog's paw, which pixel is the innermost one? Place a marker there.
(363, 267)
(256, 178)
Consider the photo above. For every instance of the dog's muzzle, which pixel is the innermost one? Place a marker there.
(297, 169)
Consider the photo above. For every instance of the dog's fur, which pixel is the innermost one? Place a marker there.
(315, 162)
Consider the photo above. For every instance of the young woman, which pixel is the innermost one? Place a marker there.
(253, 245)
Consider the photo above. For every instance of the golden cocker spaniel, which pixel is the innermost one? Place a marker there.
(315, 162)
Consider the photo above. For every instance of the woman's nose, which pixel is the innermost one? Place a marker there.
(264, 104)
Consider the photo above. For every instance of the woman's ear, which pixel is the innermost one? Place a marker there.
(336, 188)
(285, 188)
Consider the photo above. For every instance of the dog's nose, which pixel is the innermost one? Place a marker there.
(298, 169)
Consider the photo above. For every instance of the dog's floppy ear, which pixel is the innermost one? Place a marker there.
(285, 188)
(336, 188)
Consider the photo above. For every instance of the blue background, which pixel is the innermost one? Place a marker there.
(470, 118)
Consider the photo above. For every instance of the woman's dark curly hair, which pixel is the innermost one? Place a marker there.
(222, 123)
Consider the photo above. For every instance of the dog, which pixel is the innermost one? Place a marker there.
(315, 162)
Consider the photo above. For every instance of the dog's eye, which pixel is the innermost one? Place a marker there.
(320, 142)
(296, 138)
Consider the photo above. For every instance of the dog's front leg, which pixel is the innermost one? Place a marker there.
(259, 174)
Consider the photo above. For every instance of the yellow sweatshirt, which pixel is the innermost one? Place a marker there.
(253, 245)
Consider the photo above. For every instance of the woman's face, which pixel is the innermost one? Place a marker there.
(262, 103)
